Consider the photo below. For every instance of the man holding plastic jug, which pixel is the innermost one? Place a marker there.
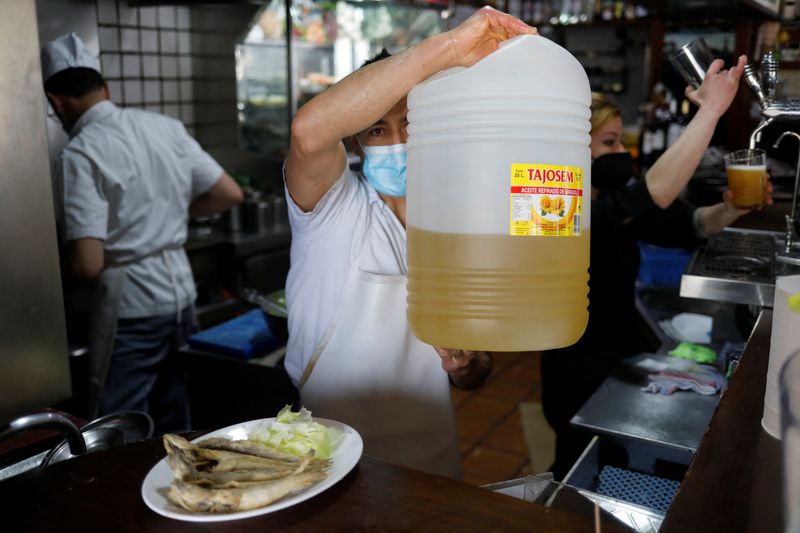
(625, 211)
(350, 350)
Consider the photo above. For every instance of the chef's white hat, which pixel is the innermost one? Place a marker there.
(68, 51)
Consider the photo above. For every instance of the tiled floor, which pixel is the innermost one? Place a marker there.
(489, 425)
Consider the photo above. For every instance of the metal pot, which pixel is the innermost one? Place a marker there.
(273, 306)
(106, 432)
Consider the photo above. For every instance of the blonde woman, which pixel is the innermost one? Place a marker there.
(626, 210)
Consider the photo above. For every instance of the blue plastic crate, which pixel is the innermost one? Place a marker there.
(245, 336)
(662, 267)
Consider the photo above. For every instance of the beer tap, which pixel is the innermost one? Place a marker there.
(769, 75)
(765, 88)
(791, 218)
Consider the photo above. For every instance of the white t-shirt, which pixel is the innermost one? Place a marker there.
(128, 179)
(350, 221)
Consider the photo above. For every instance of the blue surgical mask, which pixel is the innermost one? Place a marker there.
(385, 168)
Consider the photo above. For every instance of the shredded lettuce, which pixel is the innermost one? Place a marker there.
(297, 433)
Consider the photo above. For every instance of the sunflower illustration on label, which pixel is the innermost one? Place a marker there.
(546, 200)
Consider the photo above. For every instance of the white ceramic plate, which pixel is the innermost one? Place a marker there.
(157, 481)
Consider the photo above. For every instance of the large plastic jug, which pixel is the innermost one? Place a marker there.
(498, 201)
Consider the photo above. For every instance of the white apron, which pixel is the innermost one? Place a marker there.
(103, 317)
(373, 374)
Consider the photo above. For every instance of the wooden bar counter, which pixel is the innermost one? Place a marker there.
(101, 492)
(734, 481)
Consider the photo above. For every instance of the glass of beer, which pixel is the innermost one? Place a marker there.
(747, 177)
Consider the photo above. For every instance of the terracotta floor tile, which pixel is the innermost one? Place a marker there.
(464, 446)
(523, 373)
(508, 436)
(503, 360)
(479, 414)
(535, 395)
(459, 395)
(506, 389)
(493, 464)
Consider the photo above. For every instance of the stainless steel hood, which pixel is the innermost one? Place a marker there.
(34, 368)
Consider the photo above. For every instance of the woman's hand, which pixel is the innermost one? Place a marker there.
(481, 34)
(714, 218)
(719, 87)
(467, 369)
(731, 209)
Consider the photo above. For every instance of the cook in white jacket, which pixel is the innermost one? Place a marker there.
(351, 351)
(130, 180)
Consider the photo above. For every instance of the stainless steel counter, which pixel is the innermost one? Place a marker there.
(244, 243)
(740, 264)
(620, 409)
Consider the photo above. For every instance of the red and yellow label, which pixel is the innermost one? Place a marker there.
(546, 200)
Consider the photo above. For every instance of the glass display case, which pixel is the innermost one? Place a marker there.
(281, 65)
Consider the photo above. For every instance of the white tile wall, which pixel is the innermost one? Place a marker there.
(169, 42)
(173, 111)
(176, 60)
(185, 67)
(109, 39)
(150, 66)
(130, 39)
(128, 16)
(107, 11)
(152, 91)
(187, 113)
(187, 91)
(131, 66)
(166, 17)
(133, 91)
(171, 91)
(169, 67)
(148, 16)
(110, 65)
(115, 90)
(183, 18)
(149, 40)
(184, 42)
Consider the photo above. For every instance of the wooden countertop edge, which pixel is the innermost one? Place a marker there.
(732, 483)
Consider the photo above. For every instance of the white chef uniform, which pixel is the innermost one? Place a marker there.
(129, 177)
(351, 351)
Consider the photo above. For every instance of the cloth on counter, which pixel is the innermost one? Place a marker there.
(703, 379)
(695, 352)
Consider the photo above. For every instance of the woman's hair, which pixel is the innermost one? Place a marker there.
(603, 110)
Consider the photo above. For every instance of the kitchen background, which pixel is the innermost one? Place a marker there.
(181, 60)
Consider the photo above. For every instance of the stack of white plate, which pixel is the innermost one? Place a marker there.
(689, 327)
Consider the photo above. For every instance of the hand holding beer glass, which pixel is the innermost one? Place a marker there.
(747, 177)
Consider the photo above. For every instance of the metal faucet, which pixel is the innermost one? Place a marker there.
(764, 87)
(77, 445)
(755, 137)
(791, 218)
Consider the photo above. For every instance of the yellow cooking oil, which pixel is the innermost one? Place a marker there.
(497, 292)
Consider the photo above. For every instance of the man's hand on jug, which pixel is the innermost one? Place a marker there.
(467, 369)
(480, 35)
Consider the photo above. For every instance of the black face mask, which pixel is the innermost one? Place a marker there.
(610, 171)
